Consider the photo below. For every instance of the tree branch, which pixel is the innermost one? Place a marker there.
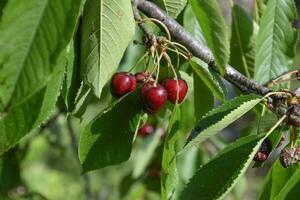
(245, 84)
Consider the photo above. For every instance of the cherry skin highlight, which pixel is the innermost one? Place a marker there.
(171, 86)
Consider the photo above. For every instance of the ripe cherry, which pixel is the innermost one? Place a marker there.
(122, 83)
(145, 130)
(153, 97)
(171, 87)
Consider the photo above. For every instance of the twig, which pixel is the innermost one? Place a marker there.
(245, 84)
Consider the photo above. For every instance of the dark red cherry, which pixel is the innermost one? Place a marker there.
(122, 83)
(264, 150)
(145, 130)
(260, 157)
(153, 97)
(141, 77)
(171, 86)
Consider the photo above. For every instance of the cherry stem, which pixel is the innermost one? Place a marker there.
(160, 23)
(142, 58)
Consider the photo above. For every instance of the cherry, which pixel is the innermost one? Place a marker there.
(141, 77)
(171, 87)
(153, 97)
(145, 130)
(264, 150)
(260, 157)
(122, 83)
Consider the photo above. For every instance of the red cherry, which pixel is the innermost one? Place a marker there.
(146, 130)
(141, 77)
(153, 97)
(260, 157)
(171, 87)
(122, 83)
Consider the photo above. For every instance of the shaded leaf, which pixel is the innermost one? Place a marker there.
(276, 40)
(107, 28)
(107, 140)
(202, 96)
(291, 188)
(275, 181)
(210, 18)
(242, 44)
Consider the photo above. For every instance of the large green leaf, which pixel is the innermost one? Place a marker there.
(242, 44)
(291, 190)
(208, 77)
(32, 35)
(27, 116)
(215, 179)
(107, 140)
(173, 7)
(191, 24)
(169, 179)
(276, 40)
(107, 29)
(210, 18)
(221, 117)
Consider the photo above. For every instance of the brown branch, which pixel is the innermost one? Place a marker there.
(245, 84)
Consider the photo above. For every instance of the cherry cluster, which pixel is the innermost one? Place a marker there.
(153, 95)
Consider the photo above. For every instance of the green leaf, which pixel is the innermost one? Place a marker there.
(215, 179)
(210, 18)
(107, 140)
(107, 28)
(32, 35)
(275, 181)
(259, 8)
(169, 179)
(202, 96)
(191, 24)
(242, 45)
(221, 117)
(276, 40)
(208, 77)
(173, 7)
(27, 116)
(291, 188)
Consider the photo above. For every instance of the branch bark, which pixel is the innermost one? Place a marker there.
(179, 34)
